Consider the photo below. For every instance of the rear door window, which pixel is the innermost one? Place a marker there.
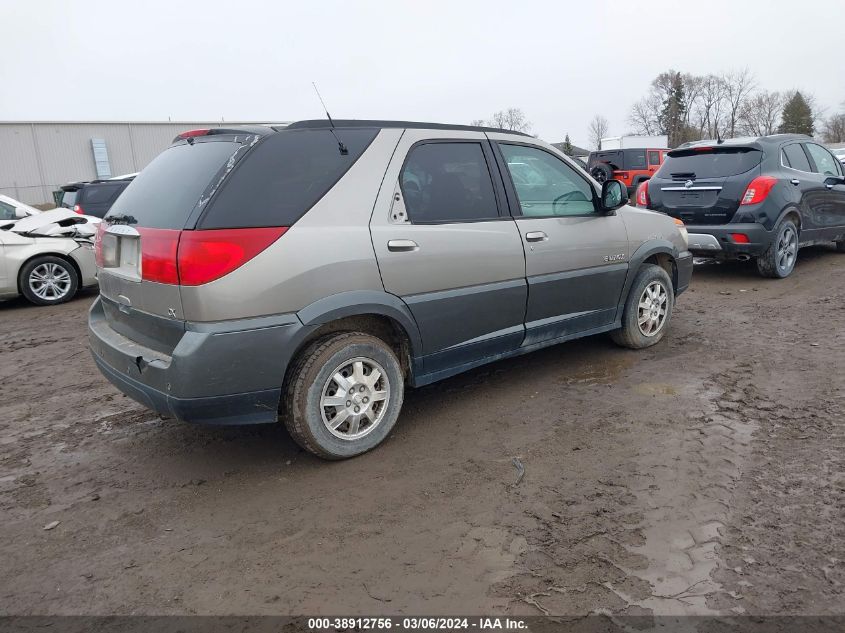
(163, 195)
(653, 158)
(545, 185)
(635, 159)
(796, 158)
(283, 176)
(709, 163)
(826, 164)
(448, 182)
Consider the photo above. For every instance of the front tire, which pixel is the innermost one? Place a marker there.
(648, 309)
(48, 280)
(343, 395)
(779, 259)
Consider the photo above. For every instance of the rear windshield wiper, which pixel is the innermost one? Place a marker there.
(122, 218)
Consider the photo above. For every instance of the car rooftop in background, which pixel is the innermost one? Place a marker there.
(94, 197)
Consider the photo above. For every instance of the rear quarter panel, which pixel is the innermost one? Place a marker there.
(328, 251)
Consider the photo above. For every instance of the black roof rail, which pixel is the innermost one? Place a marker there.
(418, 125)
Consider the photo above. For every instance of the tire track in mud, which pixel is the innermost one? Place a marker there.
(645, 539)
(698, 467)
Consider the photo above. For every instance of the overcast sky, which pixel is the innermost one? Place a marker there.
(561, 62)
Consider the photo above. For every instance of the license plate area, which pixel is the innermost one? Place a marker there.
(121, 246)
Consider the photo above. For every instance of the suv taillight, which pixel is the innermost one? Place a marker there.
(77, 208)
(758, 190)
(208, 255)
(192, 258)
(642, 194)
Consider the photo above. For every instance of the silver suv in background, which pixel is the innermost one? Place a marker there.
(313, 271)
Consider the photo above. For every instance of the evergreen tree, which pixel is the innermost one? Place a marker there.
(672, 114)
(567, 146)
(797, 117)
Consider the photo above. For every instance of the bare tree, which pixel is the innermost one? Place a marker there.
(479, 123)
(761, 113)
(737, 86)
(597, 130)
(511, 119)
(708, 109)
(833, 129)
(645, 115)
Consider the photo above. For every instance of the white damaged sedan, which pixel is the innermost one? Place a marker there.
(47, 257)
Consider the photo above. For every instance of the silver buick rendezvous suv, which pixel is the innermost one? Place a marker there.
(309, 273)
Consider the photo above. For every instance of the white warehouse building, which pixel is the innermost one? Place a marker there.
(36, 158)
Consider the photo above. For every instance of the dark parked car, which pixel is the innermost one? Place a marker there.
(761, 198)
(95, 197)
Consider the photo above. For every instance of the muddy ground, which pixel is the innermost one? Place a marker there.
(704, 475)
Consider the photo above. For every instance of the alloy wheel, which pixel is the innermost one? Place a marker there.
(651, 310)
(354, 399)
(49, 281)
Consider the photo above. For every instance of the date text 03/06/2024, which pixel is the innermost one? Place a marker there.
(417, 624)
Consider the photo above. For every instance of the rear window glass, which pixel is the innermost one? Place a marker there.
(97, 194)
(284, 176)
(163, 195)
(711, 163)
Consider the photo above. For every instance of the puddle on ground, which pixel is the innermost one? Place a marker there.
(656, 389)
(598, 373)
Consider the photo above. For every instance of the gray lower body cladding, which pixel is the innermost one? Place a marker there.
(226, 372)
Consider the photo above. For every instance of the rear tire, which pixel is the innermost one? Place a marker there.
(778, 261)
(343, 395)
(648, 309)
(48, 280)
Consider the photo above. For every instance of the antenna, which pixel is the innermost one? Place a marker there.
(340, 146)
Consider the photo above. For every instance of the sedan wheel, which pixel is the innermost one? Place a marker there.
(50, 281)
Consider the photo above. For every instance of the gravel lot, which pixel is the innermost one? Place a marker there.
(705, 475)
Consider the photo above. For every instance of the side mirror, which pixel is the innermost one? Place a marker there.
(614, 195)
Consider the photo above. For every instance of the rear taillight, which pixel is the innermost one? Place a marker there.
(208, 255)
(642, 194)
(77, 208)
(739, 238)
(758, 190)
(159, 250)
(190, 258)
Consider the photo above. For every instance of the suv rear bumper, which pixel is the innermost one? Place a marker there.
(714, 241)
(221, 373)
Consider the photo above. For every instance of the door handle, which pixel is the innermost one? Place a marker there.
(536, 236)
(795, 182)
(402, 246)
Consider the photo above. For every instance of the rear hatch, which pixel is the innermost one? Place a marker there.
(138, 241)
(203, 208)
(703, 185)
